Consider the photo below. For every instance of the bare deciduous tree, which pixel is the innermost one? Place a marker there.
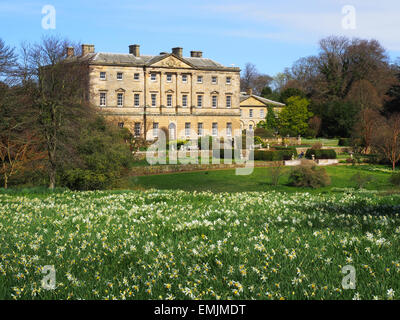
(387, 139)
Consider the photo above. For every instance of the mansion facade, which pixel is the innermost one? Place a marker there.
(186, 97)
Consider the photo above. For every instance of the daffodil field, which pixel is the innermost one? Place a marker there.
(199, 245)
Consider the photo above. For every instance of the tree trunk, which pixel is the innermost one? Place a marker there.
(5, 181)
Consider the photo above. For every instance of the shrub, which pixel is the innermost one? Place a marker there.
(276, 172)
(103, 156)
(344, 142)
(361, 180)
(264, 133)
(220, 153)
(309, 176)
(316, 146)
(321, 153)
(258, 140)
(395, 179)
(275, 155)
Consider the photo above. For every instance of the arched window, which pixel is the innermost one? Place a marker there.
(172, 131)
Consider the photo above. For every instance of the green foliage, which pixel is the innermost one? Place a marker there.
(338, 118)
(271, 120)
(264, 133)
(258, 140)
(103, 157)
(345, 142)
(291, 92)
(309, 176)
(275, 155)
(293, 119)
(321, 153)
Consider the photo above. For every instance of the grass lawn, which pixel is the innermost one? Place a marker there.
(227, 181)
(325, 142)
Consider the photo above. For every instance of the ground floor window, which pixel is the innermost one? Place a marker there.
(137, 129)
(200, 129)
(187, 129)
(229, 129)
(155, 129)
(215, 129)
(120, 124)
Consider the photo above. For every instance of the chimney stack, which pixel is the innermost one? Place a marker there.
(70, 52)
(87, 48)
(134, 49)
(196, 54)
(249, 91)
(177, 51)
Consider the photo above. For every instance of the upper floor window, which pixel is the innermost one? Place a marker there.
(103, 99)
(136, 76)
(199, 101)
(199, 79)
(153, 99)
(251, 113)
(119, 75)
(102, 75)
(169, 77)
(241, 112)
(184, 100)
(228, 101)
(262, 113)
(169, 100)
(214, 101)
(120, 99)
(228, 80)
(214, 79)
(136, 100)
(184, 78)
(153, 77)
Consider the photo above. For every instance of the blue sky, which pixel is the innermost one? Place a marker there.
(270, 34)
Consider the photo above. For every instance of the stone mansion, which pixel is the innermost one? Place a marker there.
(186, 97)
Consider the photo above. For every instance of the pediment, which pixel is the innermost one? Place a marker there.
(171, 62)
(251, 101)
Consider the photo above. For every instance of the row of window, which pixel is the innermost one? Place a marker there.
(251, 113)
(153, 77)
(188, 128)
(136, 100)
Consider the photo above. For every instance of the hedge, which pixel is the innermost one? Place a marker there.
(274, 155)
(321, 153)
(344, 142)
